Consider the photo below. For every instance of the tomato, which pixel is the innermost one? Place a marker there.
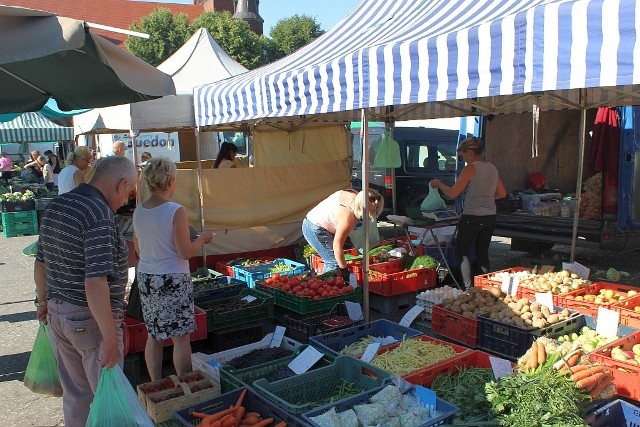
(276, 276)
(331, 282)
(284, 279)
(286, 288)
(270, 280)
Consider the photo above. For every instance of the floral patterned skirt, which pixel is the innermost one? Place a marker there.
(167, 304)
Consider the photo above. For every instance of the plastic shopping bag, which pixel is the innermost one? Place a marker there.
(357, 235)
(41, 375)
(433, 201)
(388, 153)
(115, 403)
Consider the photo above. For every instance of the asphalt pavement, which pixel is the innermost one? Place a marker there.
(21, 407)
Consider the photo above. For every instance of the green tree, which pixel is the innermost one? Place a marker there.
(290, 34)
(167, 33)
(234, 36)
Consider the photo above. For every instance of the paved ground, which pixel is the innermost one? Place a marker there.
(20, 407)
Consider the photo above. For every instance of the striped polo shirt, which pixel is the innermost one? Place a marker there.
(79, 238)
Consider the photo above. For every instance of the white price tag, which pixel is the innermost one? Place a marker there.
(576, 267)
(249, 298)
(506, 284)
(608, 320)
(545, 299)
(305, 360)
(354, 310)
(411, 315)
(501, 367)
(515, 282)
(353, 280)
(278, 334)
(370, 352)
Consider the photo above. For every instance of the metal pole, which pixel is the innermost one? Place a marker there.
(365, 220)
(135, 162)
(200, 194)
(581, 145)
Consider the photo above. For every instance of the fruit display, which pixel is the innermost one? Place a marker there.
(588, 339)
(314, 287)
(629, 356)
(602, 296)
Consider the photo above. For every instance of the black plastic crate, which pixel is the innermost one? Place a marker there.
(392, 305)
(512, 342)
(216, 289)
(302, 326)
(227, 338)
(28, 205)
(133, 369)
(505, 206)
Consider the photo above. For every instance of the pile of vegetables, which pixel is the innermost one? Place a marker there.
(588, 339)
(555, 282)
(601, 297)
(235, 416)
(591, 199)
(341, 391)
(17, 196)
(217, 307)
(412, 354)
(246, 262)
(258, 357)
(359, 346)
(202, 285)
(310, 287)
(281, 267)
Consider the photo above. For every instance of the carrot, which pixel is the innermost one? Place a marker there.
(228, 421)
(568, 360)
(590, 382)
(216, 417)
(251, 420)
(598, 389)
(533, 357)
(252, 414)
(574, 358)
(281, 424)
(264, 423)
(239, 415)
(542, 354)
(240, 398)
(586, 373)
(578, 368)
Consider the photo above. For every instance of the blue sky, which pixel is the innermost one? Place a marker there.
(326, 12)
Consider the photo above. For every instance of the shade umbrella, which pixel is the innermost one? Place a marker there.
(48, 56)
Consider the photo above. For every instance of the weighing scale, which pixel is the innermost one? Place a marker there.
(441, 215)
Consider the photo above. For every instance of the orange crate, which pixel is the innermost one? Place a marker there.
(483, 281)
(454, 326)
(460, 350)
(473, 359)
(628, 316)
(389, 279)
(625, 374)
(591, 308)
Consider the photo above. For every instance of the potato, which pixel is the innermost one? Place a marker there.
(554, 318)
(538, 315)
(527, 315)
(495, 292)
(539, 323)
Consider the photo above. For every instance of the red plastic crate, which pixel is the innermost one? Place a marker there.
(454, 326)
(389, 279)
(625, 374)
(460, 350)
(222, 267)
(591, 308)
(483, 281)
(473, 359)
(628, 316)
(318, 264)
(135, 332)
(405, 243)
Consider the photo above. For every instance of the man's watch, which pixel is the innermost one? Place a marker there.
(40, 304)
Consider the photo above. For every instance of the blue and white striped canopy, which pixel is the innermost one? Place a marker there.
(33, 127)
(411, 59)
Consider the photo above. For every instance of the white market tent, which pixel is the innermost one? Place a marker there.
(33, 127)
(199, 61)
(405, 60)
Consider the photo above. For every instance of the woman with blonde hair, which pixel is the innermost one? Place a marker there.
(328, 225)
(162, 241)
(72, 175)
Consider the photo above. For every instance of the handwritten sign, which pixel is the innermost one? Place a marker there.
(501, 367)
(411, 315)
(506, 284)
(515, 282)
(608, 321)
(370, 352)
(354, 310)
(576, 267)
(305, 360)
(546, 299)
(278, 334)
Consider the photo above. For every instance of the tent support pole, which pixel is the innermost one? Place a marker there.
(134, 147)
(581, 145)
(364, 128)
(200, 194)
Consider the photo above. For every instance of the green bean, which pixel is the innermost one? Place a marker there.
(411, 355)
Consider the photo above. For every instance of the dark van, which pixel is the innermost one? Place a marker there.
(425, 153)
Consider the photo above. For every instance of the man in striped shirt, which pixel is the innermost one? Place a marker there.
(80, 273)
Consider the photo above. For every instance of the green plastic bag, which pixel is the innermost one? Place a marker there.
(31, 250)
(433, 201)
(388, 153)
(358, 238)
(115, 403)
(42, 375)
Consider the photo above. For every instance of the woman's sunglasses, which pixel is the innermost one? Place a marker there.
(374, 199)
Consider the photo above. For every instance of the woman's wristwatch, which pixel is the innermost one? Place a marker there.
(40, 304)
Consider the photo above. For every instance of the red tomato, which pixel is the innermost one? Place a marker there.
(276, 275)
(270, 280)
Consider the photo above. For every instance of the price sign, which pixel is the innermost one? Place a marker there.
(515, 282)
(411, 315)
(386, 340)
(608, 320)
(353, 280)
(249, 298)
(576, 267)
(305, 360)
(278, 334)
(501, 367)
(370, 351)
(426, 396)
(545, 299)
(354, 310)
(506, 284)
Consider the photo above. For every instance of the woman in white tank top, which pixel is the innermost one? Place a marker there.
(483, 186)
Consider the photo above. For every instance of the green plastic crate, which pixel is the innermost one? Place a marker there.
(306, 391)
(231, 378)
(218, 321)
(305, 305)
(20, 223)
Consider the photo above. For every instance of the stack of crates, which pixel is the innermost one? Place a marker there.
(23, 223)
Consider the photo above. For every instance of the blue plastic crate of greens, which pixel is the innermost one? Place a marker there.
(391, 412)
(281, 266)
(333, 343)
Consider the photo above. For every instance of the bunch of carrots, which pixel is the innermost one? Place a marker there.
(235, 416)
(592, 378)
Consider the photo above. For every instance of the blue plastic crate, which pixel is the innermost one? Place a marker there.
(252, 403)
(257, 273)
(449, 254)
(617, 413)
(445, 409)
(332, 342)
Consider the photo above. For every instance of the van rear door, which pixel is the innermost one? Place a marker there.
(628, 217)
